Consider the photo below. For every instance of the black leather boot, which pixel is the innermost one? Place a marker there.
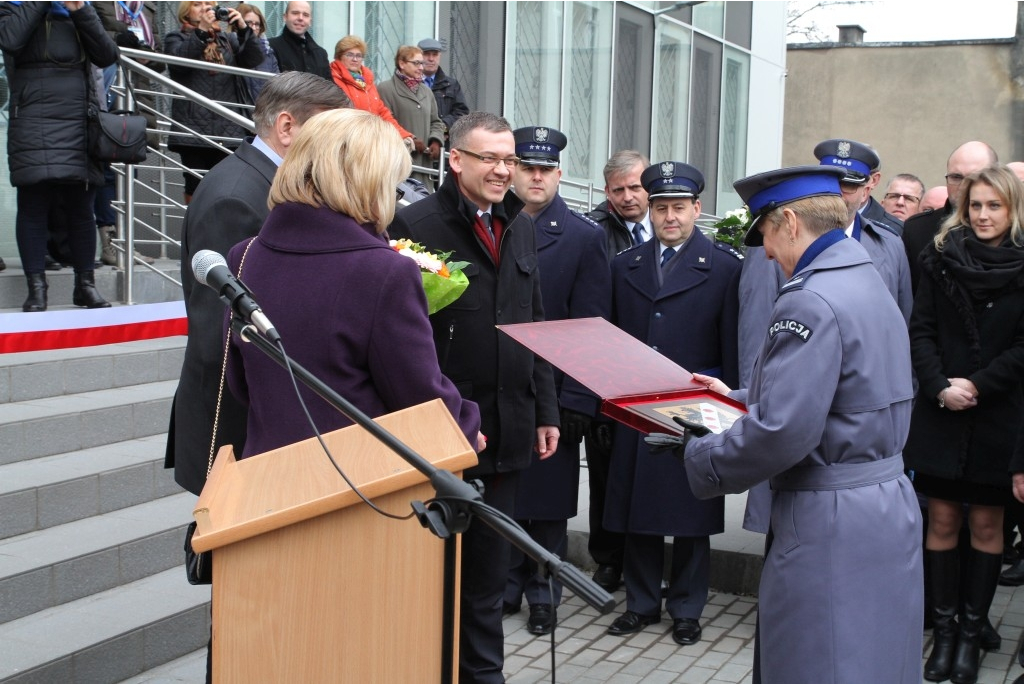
(943, 581)
(36, 301)
(982, 576)
(85, 293)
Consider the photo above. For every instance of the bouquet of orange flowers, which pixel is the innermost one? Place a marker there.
(443, 280)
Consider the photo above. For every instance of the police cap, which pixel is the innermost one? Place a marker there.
(672, 179)
(765, 191)
(858, 159)
(538, 145)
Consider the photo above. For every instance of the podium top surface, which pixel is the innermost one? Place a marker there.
(603, 358)
(275, 489)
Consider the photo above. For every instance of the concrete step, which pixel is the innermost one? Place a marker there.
(55, 425)
(49, 491)
(46, 568)
(149, 286)
(48, 373)
(110, 636)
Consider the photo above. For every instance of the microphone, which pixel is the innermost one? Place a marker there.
(211, 270)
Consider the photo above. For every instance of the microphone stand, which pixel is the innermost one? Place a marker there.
(457, 501)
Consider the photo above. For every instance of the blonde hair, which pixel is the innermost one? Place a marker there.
(1009, 189)
(348, 160)
(183, 10)
(347, 43)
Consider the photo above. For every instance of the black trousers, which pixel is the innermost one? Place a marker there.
(485, 562)
(69, 203)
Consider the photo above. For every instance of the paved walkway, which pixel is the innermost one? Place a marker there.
(585, 653)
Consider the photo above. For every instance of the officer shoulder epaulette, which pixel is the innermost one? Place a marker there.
(726, 247)
(883, 225)
(585, 218)
(795, 283)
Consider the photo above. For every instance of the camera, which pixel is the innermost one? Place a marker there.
(221, 13)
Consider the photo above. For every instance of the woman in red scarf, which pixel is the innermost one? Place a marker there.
(356, 79)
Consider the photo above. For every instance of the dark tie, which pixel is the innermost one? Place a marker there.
(667, 255)
(638, 237)
(485, 218)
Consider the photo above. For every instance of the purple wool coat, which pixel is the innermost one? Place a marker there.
(351, 311)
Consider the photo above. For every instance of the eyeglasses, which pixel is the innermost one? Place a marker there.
(954, 179)
(509, 162)
(909, 199)
(353, 55)
(417, 63)
(253, 24)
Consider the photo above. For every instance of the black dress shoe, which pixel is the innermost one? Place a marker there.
(508, 608)
(686, 631)
(1013, 576)
(51, 264)
(632, 622)
(542, 619)
(608, 577)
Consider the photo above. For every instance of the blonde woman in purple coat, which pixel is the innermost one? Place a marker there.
(348, 307)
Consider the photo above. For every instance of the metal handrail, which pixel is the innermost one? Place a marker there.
(126, 204)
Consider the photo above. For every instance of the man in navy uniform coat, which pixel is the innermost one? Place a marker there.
(678, 293)
(575, 283)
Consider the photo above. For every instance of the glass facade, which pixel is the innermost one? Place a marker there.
(672, 82)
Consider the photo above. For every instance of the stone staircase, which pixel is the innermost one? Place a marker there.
(92, 584)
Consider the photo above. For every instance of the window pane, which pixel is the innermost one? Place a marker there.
(587, 89)
(535, 65)
(671, 97)
(386, 26)
(704, 114)
(710, 17)
(732, 164)
(738, 21)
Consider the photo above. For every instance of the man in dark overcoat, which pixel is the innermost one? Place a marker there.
(474, 216)
(229, 206)
(295, 48)
(576, 283)
(678, 293)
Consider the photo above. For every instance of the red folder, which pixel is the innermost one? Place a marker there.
(638, 385)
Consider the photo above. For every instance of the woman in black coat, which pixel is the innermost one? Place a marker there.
(47, 49)
(967, 345)
(201, 38)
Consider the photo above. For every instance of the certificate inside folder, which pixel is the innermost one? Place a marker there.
(638, 385)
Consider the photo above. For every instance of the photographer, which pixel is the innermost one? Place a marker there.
(201, 38)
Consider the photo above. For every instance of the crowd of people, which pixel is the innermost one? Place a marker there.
(877, 346)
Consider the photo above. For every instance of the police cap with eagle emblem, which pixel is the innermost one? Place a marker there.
(672, 179)
(539, 145)
(858, 159)
(765, 191)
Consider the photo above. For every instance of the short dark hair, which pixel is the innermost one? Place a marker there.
(298, 93)
(461, 129)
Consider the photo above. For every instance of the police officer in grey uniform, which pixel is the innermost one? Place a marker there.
(841, 598)
(869, 208)
(885, 247)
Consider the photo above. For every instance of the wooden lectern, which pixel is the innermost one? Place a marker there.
(309, 583)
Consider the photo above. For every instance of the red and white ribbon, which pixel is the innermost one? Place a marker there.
(58, 329)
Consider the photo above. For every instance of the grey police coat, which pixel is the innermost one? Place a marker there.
(841, 597)
(890, 259)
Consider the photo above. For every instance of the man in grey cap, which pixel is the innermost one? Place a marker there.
(451, 103)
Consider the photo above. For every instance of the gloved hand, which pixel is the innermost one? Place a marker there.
(574, 426)
(663, 442)
(127, 39)
(435, 151)
(601, 434)
(418, 144)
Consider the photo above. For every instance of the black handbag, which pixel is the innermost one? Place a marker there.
(198, 565)
(117, 136)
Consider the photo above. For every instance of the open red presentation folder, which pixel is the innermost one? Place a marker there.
(638, 385)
